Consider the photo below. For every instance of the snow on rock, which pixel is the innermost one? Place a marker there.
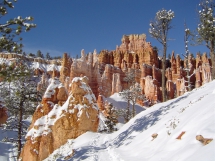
(51, 88)
(52, 67)
(5, 61)
(45, 67)
(192, 113)
(53, 124)
(37, 65)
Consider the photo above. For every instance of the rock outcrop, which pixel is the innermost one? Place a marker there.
(151, 89)
(203, 140)
(65, 68)
(106, 70)
(61, 117)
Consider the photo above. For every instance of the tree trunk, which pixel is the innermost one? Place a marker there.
(128, 112)
(133, 109)
(212, 55)
(164, 72)
(19, 140)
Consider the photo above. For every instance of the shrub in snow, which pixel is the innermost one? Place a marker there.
(171, 125)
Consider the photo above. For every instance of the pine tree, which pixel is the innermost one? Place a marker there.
(19, 94)
(30, 54)
(126, 95)
(39, 54)
(206, 29)
(48, 56)
(159, 30)
(12, 28)
(111, 118)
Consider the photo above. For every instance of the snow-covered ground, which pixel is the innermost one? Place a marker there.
(192, 113)
(8, 151)
(45, 67)
(120, 103)
(35, 65)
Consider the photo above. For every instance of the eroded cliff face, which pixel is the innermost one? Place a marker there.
(61, 116)
(107, 69)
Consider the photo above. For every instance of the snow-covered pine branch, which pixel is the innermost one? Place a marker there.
(206, 29)
(12, 28)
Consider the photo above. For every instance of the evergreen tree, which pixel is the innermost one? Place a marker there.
(111, 118)
(48, 56)
(206, 29)
(57, 57)
(12, 28)
(19, 94)
(30, 54)
(126, 95)
(159, 29)
(39, 54)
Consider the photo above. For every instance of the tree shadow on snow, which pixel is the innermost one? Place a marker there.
(139, 125)
(144, 122)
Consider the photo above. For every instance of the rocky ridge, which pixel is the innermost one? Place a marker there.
(60, 116)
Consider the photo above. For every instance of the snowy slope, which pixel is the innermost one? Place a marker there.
(120, 103)
(193, 113)
(7, 150)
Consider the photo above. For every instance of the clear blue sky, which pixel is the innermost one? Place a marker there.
(72, 25)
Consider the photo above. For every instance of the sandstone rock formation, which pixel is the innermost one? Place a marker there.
(116, 83)
(100, 103)
(150, 89)
(138, 56)
(65, 67)
(106, 70)
(59, 118)
(43, 84)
